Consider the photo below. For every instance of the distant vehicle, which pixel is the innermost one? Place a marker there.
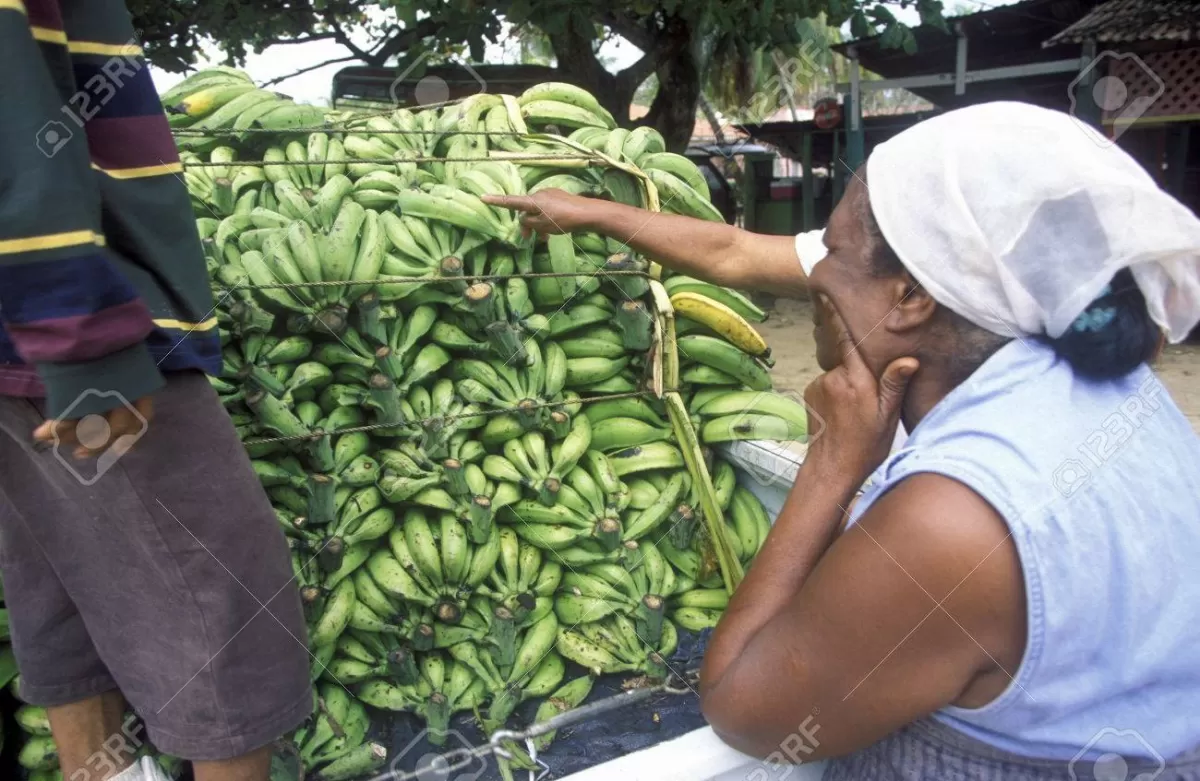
(710, 159)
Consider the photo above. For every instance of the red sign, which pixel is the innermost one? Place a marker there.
(827, 113)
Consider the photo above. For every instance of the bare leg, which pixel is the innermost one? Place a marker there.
(255, 766)
(90, 737)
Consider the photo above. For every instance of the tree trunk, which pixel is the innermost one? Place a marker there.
(711, 115)
(674, 110)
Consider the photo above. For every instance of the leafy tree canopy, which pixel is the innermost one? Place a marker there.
(684, 42)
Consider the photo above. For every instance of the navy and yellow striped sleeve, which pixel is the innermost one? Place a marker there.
(65, 303)
(145, 209)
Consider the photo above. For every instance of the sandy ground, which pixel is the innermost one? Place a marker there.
(789, 332)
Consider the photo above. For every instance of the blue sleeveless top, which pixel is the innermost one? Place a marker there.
(1099, 484)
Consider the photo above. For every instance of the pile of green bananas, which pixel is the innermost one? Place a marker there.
(478, 519)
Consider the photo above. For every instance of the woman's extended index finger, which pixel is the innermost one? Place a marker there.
(520, 203)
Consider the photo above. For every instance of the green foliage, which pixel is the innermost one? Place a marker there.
(726, 48)
(174, 29)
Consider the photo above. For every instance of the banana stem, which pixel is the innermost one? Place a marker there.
(504, 703)
(422, 637)
(250, 318)
(369, 324)
(633, 319)
(435, 441)
(731, 568)
(608, 533)
(559, 424)
(529, 414)
(385, 399)
(683, 527)
(331, 554)
(479, 519)
(506, 342)
(437, 717)
(320, 451)
(481, 303)
(321, 506)
(259, 378)
(402, 666)
(655, 666)
(299, 323)
(447, 612)
(332, 320)
(313, 600)
(548, 491)
(453, 267)
(455, 478)
(631, 555)
(634, 287)
(504, 635)
(649, 619)
(388, 362)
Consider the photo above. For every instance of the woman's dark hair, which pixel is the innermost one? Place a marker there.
(1113, 336)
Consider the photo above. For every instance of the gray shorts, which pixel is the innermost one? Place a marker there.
(167, 577)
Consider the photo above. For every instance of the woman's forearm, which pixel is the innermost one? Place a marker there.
(713, 251)
(811, 519)
(692, 247)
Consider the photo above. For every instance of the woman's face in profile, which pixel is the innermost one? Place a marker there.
(851, 301)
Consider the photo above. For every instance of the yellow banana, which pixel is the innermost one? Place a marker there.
(720, 318)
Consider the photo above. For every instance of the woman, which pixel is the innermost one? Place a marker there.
(1016, 594)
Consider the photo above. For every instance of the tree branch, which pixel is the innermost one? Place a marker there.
(406, 38)
(306, 70)
(305, 39)
(631, 30)
(341, 37)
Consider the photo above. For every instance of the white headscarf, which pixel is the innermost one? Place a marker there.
(1016, 218)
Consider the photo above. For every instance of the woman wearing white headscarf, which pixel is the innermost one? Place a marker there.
(1016, 594)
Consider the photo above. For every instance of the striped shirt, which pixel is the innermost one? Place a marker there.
(103, 285)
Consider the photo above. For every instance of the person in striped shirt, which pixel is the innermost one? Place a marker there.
(142, 561)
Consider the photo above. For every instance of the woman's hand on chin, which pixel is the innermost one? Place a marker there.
(860, 413)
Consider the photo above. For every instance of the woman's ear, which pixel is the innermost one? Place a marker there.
(914, 306)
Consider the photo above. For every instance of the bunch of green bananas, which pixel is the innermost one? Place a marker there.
(465, 516)
(335, 740)
(224, 101)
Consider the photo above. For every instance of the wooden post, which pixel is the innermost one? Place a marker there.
(836, 169)
(1086, 107)
(808, 207)
(749, 193)
(1177, 149)
(854, 137)
(960, 60)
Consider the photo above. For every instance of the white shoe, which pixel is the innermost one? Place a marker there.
(144, 770)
